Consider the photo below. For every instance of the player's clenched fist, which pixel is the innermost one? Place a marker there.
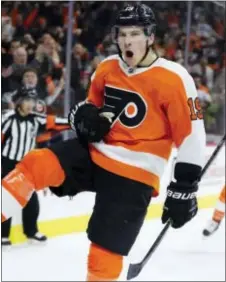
(87, 121)
(181, 204)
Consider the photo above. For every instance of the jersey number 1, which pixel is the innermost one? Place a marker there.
(195, 108)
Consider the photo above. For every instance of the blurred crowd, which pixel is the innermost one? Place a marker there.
(34, 35)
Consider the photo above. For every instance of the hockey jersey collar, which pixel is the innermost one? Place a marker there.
(130, 71)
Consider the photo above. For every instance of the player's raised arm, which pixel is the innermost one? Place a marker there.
(85, 117)
(187, 129)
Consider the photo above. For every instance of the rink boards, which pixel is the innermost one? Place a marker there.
(64, 216)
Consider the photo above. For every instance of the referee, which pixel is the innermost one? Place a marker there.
(20, 128)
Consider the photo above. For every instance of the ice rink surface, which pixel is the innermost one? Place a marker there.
(183, 255)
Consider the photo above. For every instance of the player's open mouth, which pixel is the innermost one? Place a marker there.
(129, 54)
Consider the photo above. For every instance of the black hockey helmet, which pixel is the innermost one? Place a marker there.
(136, 15)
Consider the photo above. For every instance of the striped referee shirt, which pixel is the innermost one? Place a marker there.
(19, 133)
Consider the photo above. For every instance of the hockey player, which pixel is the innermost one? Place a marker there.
(218, 215)
(138, 106)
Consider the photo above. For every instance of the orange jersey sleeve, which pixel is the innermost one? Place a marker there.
(56, 123)
(51, 122)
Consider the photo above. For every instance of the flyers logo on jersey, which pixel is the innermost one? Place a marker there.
(128, 107)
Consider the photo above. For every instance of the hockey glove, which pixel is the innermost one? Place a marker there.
(89, 124)
(181, 204)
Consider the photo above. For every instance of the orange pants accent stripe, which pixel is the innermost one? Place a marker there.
(103, 265)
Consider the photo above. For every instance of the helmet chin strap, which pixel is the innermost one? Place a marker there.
(145, 54)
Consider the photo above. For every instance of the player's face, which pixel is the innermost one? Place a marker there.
(133, 43)
(27, 106)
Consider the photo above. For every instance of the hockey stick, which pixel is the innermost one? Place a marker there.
(135, 269)
(221, 143)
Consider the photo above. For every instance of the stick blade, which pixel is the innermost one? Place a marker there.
(134, 270)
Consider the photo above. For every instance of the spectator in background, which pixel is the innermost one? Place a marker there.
(52, 50)
(14, 44)
(203, 29)
(170, 49)
(7, 29)
(201, 67)
(162, 23)
(105, 49)
(203, 91)
(81, 70)
(12, 75)
(29, 81)
(179, 57)
(7, 49)
(19, 26)
(42, 61)
(49, 65)
(29, 44)
(19, 58)
(219, 27)
(173, 18)
(159, 46)
(41, 27)
(59, 35)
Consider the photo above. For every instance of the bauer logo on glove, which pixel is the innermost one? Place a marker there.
(179, 195)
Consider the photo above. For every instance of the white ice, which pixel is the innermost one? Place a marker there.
(183, 255)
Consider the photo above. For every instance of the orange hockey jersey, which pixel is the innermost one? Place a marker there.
(154, 107)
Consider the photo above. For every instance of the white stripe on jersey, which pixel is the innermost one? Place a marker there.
(61, 120)
(146, 161)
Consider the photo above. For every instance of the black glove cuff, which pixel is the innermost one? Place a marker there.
(182, 187)
(186, 172)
